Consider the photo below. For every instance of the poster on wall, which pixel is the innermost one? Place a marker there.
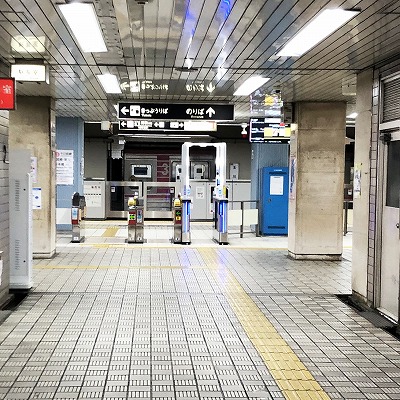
(64, 167)
(292, 178)
(276, 185)
(357, 181)
(36, 198)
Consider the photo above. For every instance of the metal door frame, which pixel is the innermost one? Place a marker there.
(392, 128)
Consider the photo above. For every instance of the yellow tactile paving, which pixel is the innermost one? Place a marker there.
(110, 232)
(290, 374)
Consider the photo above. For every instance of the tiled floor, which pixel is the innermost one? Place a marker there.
(114, 321)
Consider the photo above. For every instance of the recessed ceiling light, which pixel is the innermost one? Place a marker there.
(82, 19)
(316, 30)
(250, 85)
(110, 83)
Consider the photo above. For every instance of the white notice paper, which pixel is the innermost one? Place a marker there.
(276, 185)
(36, 198)
(65, 167)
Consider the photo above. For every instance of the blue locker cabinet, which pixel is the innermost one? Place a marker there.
(274, 201)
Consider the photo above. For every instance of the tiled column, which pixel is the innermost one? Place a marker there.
(4, 215)
(32, 126)
(316, 188)
(361, 207)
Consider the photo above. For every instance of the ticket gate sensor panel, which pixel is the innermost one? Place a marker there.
(220, 234)
(135, 222)
(181, 214)
(78, 213)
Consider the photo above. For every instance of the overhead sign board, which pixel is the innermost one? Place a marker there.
(194, 126)
(7, 94)
(156, 111)
(199, 87)
(30, 72)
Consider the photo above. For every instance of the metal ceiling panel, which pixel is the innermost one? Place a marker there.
(227, 41)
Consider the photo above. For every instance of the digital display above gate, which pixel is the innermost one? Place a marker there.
(270, 130)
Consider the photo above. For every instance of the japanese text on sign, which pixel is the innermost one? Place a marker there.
(190, 111)
(7, 94)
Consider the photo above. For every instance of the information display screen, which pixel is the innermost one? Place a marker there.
(269, 130)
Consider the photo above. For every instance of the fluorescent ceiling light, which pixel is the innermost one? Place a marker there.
(82, 19)
(352, 115)
(250, 85)
(317, 30)
(110, 83)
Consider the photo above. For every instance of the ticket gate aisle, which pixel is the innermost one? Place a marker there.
(135, 221)
(181, 216)
(220, 233)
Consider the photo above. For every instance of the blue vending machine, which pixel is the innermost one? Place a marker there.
(274, 201)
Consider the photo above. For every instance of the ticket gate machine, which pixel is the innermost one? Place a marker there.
(220, 234)
(135, 221)
(181, 215)
(78, 213)
(221, 205)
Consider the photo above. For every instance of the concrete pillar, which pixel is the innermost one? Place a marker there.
(32, 126)
(317, 179)
(361, 207)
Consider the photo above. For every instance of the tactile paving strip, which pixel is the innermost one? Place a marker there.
(292, 377)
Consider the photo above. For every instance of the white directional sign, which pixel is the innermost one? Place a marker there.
(194, 126)
(154, 111)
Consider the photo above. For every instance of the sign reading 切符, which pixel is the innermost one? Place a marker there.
(210, 112)
(7, 94)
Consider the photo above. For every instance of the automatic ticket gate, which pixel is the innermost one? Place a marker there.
(220, 233)
(221, 202)
(78, 213)
(181, 214)
(135, 221)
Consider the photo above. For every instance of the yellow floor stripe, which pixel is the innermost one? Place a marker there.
(291, 375)
(110, 232)
(171, 246)
(110, 267)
